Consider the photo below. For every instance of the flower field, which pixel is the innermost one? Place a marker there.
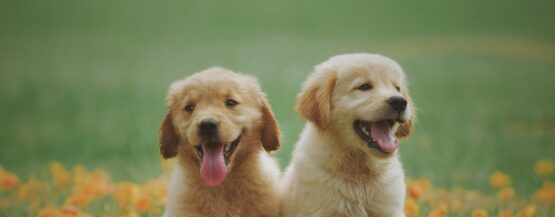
(425, 200)
(82, 86)
(82, 192)
(79, 192)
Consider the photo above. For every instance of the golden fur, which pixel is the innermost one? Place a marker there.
(333, 172)
(250, 187)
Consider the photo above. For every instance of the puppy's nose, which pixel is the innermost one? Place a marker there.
(397, 103)
(208, 127)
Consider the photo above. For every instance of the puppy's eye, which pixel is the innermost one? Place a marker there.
(364, 87)
(190, 108)
(231, 103)
(397, 88)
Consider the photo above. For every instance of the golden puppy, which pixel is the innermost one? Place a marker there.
(218, 125)
(345, 163)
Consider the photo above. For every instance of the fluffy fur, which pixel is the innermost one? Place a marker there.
(333, 171)
(250, 186)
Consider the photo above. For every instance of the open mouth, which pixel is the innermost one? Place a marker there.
(228, 150)
(215, 157)
(378, 134)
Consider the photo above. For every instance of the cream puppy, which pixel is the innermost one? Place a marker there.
(346, 161)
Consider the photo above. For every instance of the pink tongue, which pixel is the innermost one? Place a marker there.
(213, 168)
(380, 132)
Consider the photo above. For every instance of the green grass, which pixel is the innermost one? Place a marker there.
(84, 82)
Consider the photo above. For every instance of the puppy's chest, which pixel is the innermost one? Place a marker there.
(241, 204)
(358, 198)
(358, 192)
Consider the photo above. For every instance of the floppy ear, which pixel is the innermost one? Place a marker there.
(404, 129)
(314, 101)
(168, 138)
(270, 129)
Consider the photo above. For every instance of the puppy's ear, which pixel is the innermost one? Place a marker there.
(404, 129)
(314, 101)
(270, 128)
(168, 138)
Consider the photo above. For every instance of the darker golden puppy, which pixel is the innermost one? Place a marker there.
(219, 125)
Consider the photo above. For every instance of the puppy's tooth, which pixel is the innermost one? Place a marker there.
(365, 131)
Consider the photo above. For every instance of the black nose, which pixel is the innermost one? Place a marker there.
(208, 127)
(397, 103)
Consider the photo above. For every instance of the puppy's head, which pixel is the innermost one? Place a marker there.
(211, 113)
(362, 99)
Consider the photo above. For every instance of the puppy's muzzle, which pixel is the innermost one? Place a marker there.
(208, 128)
(397, 103)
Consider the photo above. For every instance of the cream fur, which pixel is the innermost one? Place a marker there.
(333, 172)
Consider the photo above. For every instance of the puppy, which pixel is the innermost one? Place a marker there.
(219, 125)
(346, 163)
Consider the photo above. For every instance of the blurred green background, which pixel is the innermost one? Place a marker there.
(85, 81)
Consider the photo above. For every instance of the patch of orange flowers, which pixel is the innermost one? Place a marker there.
(8, 180)
(425, 200)
(79, 192)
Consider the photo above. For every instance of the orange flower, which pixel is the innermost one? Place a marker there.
(157, 188)
(8, 180)
(506, 213)
(528, 211)
(79, 199)
(499, 179)
(411, 208)
(456, 204)
(60, 175)
(71, 211)
(545, 194)
(506, 193)
(544, 168)
(437, 213)
(88, 186)
(143, 203)
(416, 188)
(49, 212)
(480, 213)
(98, 183)
(126, 193)
(440, 211)
(414, 191)
(32, 190)
(80, 175)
